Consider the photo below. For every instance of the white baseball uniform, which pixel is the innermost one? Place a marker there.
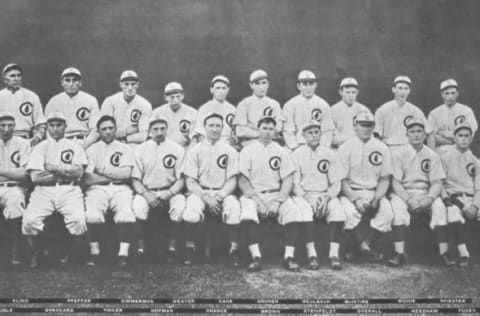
(343, 116)
(225, 109)
(446, 118)
(180, 122)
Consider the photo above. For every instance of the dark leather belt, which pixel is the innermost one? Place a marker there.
(456, 195)
(82, 137)
(159, 189)
(269, 191)
(117, 182)
(209, 188)
(72, 183)
(8, 184)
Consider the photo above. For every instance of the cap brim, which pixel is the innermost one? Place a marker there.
(402, 81)
(174, 91)
(12, 67)
(130, 78)
(259, 78)
(449, 86)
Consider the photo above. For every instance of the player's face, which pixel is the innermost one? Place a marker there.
(158, 131)
(213, 127)
(7, 126)
(129, 88)
(56, 129)
(416, 135)
(450, 95)
(174, 100)
(349, 95)
(107, 131)
(13, 79)
(364, 130)
(260, 87)
(401, 91)
(71, 84)
(307, 88)
(463, 139)
(219, 91)
(266, 131)
(312, 136)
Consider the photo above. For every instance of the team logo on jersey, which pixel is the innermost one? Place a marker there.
(222, 161)
(425, 165)
(115, 159)
(274, 162)
(375, 158)
(323, 165)
(229, 119)
(66, 156)
(459, 119)
(169, 161)
(26, 108)
(184, 126)
(317, 114)
(15, 158)
(471, 169)
(135, 116)
(82, 114)
(268, 111)
(407, 119)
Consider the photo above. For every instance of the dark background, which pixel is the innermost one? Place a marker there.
(191, 41)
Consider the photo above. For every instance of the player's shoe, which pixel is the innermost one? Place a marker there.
(447, 261)
(335, 263)
(34, 260)
(122, 262)
(463, 263)
(255, 265)
(372, 256)
(92, 260)
(235, 258)
(64, 259)
(207, 254)
(291, 265)
(398, 260)
(189, 254)
(312, 263)
(15, 261)
(171, 251)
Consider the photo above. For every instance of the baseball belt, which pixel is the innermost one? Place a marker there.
(457, 195)
(269, 191)
(8, 184)
(80, 137)
(209, 188)
(116, 182)
(56, 184)
(159, 189)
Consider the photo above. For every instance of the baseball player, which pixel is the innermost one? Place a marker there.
(392, 117)
(56, 166)
(157, 181)
(80, 108)
(368, 166)
(344, 111)
(210, 170)
(316, 185)
(252, 108)
(130, 110)
(461, 188)
(219, 87)
(107, 177)
(416, 184)
(266, 181)
(23, 104)
(445, 117)
(13, 177)
(180, 117)
(304, 107)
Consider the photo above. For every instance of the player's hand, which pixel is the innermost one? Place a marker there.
(425, 202)
(212, 204)
(314, 203)
(152, 199)
(51, 167)
(35, 141)
(412, 203)
(322, 204)
(360, 205)
(261, 208)
(470, 212)
(165, 195)
(272, 208)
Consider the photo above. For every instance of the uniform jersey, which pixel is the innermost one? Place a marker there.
(316, 170)
(343, 115)
(211, 164)
(14, 154)
(252, 108)
(446, 118)
(265, 166)
(391, 120)
(109, 158)
(225, 109)
(417, 170)
(25, 106)
(158, 166)
(180, 123)
(81, 111)
(300, 110)
(133, 115)
(62, 152)
(365, 163)
(462, 171)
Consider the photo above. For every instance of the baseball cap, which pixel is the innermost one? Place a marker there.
(306, 75)
(310, 124)
(10, 67)
(156, 119)
(462, 126)
(212, 114)
(264, 119)
(220, 78)
(403, 79)
(449, 83)
(348, 82)
(172, 88)
(6, 115)
(364, 117)
(128, 75)
(71, 71)
(258, 75)
(56, 116)
(415, 122)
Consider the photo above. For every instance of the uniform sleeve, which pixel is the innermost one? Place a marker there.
(49, 108)
(327, 120)
(36, 161)
(476, 197)
(180, 163)
(472, 121)
(336, 172)
(241, 117)
(289, 129)
(379, 121)
(25, 151)
(244, 164)
(107, 107)
(94, 114)
(232, 166)
(342, 155)
(91, 160)
(128, 159)
(428, 127)
(398, 172)
(80, 157)
(198, 127)
(387, 163)
(145, 118)
(286, 166)
(296, 163)
(436, 169)
(432, 121)
(38, 117)
(191, 165)
(138, 169)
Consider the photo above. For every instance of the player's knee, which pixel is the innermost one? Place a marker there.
(140, 207)
(439, 213)
(124, 215)
(231, 210)
(94, 216)
(335, 211)
(248, 210)
(31, 225)
(75, 223)
(192, 216)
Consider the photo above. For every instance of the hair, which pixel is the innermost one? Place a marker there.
(106, 118)
(267, 119)
(212, 116)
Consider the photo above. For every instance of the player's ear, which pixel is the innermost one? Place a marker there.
(298, 85)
